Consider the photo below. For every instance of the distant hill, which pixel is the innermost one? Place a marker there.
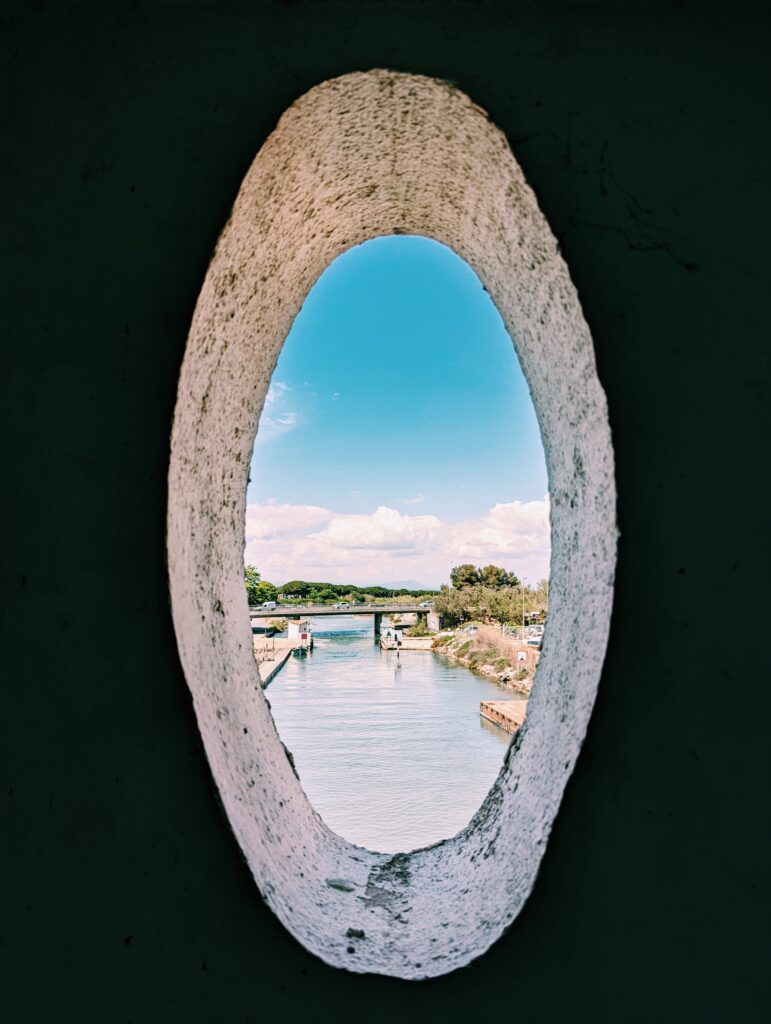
(407, 585)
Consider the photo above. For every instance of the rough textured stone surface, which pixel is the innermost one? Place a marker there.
(358, 157)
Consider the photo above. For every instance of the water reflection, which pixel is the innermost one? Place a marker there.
(391, 752)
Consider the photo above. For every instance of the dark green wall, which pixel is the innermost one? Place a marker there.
(644, 135)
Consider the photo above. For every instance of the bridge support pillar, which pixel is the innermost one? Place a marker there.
(378, 617)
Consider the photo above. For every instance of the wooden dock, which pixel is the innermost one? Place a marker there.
(506, 714)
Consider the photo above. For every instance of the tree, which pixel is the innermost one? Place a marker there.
(264, 591)
(298, 587)
(257, 589)
(449, 605)
(493, 576)
(479, 604)
(465, 575)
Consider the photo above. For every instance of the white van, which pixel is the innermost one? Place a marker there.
(268, 605)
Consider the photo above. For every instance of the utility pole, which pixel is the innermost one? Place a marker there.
(523, 612)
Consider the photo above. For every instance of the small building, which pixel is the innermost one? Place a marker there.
(299, 634)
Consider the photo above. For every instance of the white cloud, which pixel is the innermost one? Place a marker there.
(274, 426)
(272, 521)
(417, 500)
(276, 420)
(515, 534)
(309, 542)
(277, 390)
(385, 529)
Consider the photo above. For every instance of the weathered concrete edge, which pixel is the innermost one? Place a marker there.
(276, 666)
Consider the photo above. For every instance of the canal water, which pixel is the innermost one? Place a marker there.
(393, 754)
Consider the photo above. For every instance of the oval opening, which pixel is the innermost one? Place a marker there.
(397, 544)
(359, 157)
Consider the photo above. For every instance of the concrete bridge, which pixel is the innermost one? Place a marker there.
(376, 610)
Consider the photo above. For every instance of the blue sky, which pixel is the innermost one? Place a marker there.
(398, 402)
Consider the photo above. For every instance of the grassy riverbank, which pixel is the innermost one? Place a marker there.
(492, 654)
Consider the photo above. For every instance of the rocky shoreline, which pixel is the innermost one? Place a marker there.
(487, 660)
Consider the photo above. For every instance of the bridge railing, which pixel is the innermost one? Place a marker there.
(355, 609)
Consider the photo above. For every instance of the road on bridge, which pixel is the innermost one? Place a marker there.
(301, 611)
